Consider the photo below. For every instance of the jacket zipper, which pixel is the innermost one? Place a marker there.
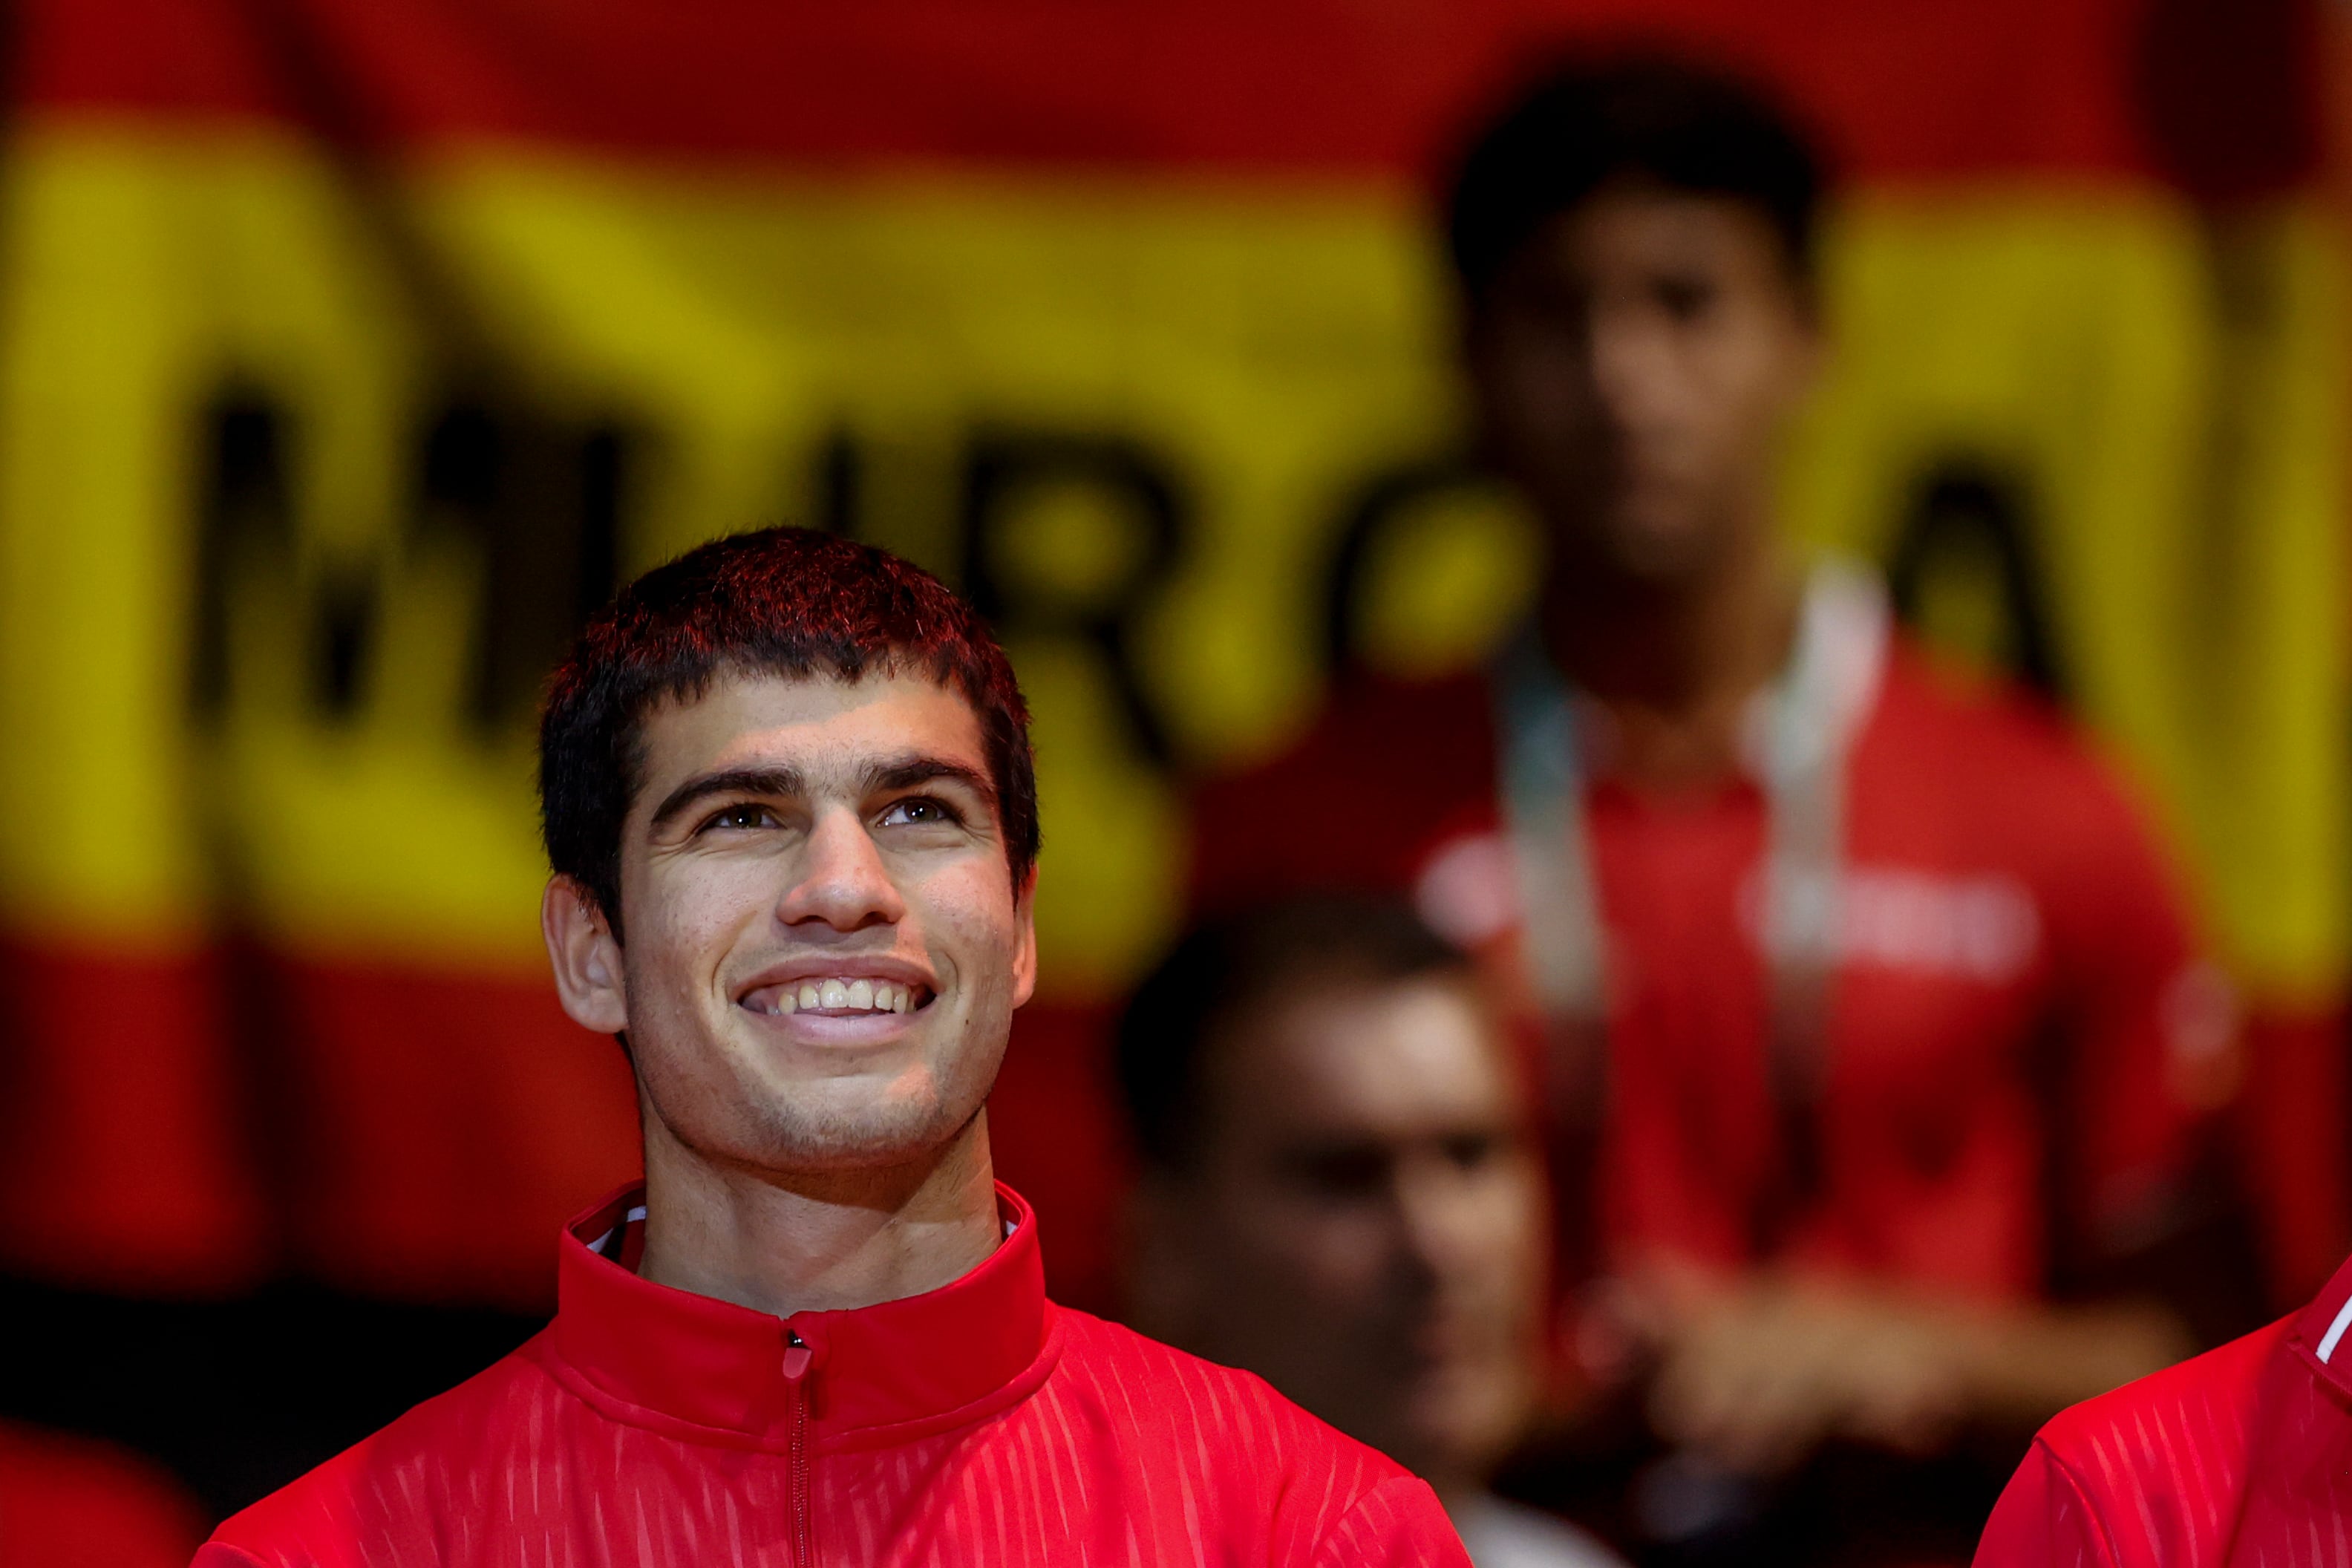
(798, 1359)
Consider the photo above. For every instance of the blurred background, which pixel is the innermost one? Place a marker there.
(350, 352)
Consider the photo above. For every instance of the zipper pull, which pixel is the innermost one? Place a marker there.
(798, 1360)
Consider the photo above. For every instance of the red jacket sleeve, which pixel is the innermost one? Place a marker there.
(2044, 1521)
(1397, 1525)
(2152, 1025)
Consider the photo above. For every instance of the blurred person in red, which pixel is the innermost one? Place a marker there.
(789, 800)
(1342, 1193)
(2234, 1458)
(1878, 1051)
(67, 1499)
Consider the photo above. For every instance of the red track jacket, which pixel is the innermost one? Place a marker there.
(977, 1424)
(1999, 882)
(2242, 1457)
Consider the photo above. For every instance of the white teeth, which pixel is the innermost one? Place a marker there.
(865, 995)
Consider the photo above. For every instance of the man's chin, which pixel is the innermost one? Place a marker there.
(830, 1127)
(1460, 1427)
(1636, 544)
(1659, 546)
(823, 1132)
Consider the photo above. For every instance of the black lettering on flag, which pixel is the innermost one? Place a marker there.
(244, 505)
(545, 503)
(1969, 529)
(1371, 510)
(839, 485)
(542, 503)
(1008, 473)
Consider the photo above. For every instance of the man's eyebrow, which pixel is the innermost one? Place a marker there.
(726, 781)
(914, 771)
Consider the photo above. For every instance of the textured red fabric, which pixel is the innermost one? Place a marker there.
(69, 1499)
(1938, 1137)
(2241, 1457)
(978, 1423)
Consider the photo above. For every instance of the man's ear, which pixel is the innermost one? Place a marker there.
(585, 955)
(1024, 956)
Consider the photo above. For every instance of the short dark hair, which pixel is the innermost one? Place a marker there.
(1589, 121)
(784, 601)
(1234, 963)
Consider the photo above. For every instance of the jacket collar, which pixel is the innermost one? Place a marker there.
(663, 1357)
(2322, 1332)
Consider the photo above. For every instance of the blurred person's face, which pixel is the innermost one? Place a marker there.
(1363, 1227)
(1633, 364)
(823, 948)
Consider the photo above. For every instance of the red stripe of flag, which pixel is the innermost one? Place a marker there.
(1929, 88)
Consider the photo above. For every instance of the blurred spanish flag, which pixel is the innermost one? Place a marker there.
(349, 349)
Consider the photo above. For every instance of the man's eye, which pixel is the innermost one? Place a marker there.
(1471, 1151)
(739, 817)
(1349, 1174)
(1686, 299)
(921, 811)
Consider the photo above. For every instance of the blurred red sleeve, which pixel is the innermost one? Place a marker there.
(2153, 1025)
(70, 1499)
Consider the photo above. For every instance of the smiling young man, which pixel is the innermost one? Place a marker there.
(789, 802)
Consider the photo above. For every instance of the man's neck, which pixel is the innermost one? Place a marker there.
(1676, 662)
(782, 1243)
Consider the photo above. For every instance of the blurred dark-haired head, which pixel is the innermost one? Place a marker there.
(1637, 118)
(1633, 235)
(1340, 1193)
(1229, 968)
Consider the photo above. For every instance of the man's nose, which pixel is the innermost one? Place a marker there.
(841, 879)
(1434, 1221)
(1628, 361)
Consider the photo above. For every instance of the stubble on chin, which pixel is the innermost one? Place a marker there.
(797, 1134)
(729, 1114)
